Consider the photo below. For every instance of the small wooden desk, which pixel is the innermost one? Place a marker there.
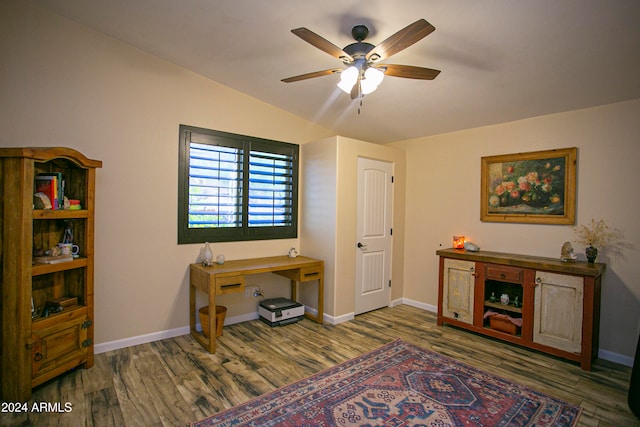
(229, 277)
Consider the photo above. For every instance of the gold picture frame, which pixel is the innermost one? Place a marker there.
(538, 187)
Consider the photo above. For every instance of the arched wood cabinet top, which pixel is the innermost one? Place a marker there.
(44, 154)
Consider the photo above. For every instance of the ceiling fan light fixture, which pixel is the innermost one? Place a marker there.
(372, 79)
(348, 78)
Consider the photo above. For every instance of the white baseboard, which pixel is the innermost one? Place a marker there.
(332, 320)
(140, 339)
(615, 357)
(418, 304)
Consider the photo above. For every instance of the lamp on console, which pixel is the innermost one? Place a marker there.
(458, 242)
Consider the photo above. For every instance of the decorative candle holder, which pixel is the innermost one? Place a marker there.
(458, 242)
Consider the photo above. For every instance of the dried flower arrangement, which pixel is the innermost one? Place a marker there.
(597, 234)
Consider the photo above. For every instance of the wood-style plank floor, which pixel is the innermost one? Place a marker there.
(175, 381)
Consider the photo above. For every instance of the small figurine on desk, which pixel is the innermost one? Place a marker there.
(293, 253)
(516, 302)
(493, 297)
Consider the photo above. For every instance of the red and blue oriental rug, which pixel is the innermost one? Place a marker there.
(400, 384)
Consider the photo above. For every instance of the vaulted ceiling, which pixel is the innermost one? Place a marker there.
(501, 60)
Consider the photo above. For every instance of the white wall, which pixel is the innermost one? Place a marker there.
(443, 199)
(64, 85)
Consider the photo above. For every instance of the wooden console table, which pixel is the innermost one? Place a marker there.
(220, 279)
(549, 305)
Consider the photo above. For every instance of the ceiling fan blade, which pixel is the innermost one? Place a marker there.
(322, 44)
(311, 75)
(409, 71)
(401, 40)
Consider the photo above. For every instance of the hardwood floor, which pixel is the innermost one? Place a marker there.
(175, 381)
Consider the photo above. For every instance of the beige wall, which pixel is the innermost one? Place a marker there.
(443, 199)
(348, 152)
(318, 212)
(64, 85)
(328, 215)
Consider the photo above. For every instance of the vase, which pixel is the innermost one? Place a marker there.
(504, 299)
(535, 199)
(207, 255)
(592, 253)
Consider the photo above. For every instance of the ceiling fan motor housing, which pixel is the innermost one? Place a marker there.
(359, 32)
(359, 49)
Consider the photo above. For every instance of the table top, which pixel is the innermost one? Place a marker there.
(257, 265)
(527, 261)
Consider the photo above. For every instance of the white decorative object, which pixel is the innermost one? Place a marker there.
(471, 247)
(293, 253)
(207, 255)
(504, 299)
(220, 259)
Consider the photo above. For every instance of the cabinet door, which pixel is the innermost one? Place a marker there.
(458, 289)
(57, 346)
(557, 319)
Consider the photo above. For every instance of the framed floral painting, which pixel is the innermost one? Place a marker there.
(536, 187)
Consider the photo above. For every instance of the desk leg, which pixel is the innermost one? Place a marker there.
(212, 318)
(320, 315)
(320, 304)
(192, 310)
(294, 290)
(201, 281)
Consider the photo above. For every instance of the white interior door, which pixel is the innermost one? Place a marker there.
(373, 251)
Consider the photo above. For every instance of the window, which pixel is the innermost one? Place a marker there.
(235, 187)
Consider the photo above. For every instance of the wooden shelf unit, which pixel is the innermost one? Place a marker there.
(35, 349)
(559, 302)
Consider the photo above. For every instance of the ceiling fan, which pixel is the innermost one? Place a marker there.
(364, 72)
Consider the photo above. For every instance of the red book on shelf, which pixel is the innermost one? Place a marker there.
(48, 185)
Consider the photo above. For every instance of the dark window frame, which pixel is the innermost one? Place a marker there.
(247, 145)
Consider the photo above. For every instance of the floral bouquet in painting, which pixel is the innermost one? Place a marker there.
(534, 183)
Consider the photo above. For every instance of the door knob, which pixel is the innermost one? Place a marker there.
(361, 246)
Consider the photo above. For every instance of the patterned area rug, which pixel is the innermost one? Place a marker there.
(400, 384)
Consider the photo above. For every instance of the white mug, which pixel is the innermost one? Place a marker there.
(69, 249)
